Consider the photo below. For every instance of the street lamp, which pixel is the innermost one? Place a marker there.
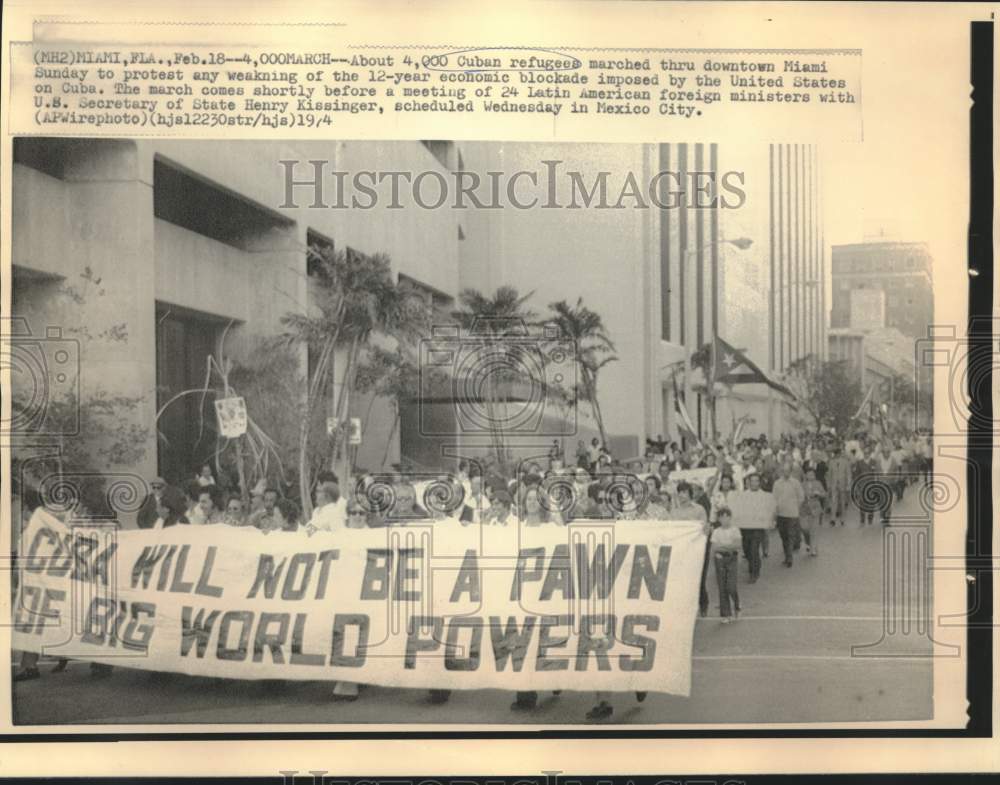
(743, 243)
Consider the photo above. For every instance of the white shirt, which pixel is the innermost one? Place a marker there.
(330, 517)
(740, 474)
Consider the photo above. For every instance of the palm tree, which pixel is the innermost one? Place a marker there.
(592, 346)
(355, 296)
(495, 320)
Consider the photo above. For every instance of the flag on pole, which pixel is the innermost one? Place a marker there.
(866, 401)
(739, 430)
(731, 366)
(684, 424)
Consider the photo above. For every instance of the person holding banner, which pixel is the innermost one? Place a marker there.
(287, 515)
(205, 510)
(657, 506)
(686, 509)
(170, 510)
(264, 518)
(148, 511)
(330, 513)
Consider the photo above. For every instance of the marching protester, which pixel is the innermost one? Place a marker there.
(720, 497)
(865, 486)
(330, 513)
(725, 541)
(287, 516)
(206, 507)
(657, 506)
(889, 472)
(753, 538)
(234, 514)
(811, 512)
(264, 518)
(750, 477)
(788, 497)
(148, 511)
(171, 509)
(839, 485)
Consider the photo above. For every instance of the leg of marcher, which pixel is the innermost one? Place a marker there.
(721, 576)
(786, 533)
(732, 592)
(703, 599)
(525, 701)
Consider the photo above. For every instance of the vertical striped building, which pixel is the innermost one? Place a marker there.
(768, 299)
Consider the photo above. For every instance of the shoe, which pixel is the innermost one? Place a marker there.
(788, 562)
(60, 666)
(557, 692)
(726, 620)
(525, 701)
(437, 697)
(753, 579)
(345, 691)
(601, 711)
(98, 670)
(814, 553)
(809, 549)
(641, 696)
(736, 616)
(27, 674)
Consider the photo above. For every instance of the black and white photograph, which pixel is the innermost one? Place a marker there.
(445, 391)
(467, 432)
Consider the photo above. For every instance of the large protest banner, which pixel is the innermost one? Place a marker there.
(593, 605)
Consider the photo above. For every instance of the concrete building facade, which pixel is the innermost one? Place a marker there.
(194, 244)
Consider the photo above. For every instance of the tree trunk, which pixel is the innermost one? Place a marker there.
(315, 387)
(392, 432)
(590, 383)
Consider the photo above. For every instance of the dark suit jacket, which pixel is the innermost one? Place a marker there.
(147, 513)
(147, 516)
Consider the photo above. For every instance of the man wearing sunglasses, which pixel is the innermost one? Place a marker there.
(148, 511)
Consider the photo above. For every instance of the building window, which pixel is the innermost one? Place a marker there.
(186, 429)
(194, 203)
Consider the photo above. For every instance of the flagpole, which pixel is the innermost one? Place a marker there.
(711, 392)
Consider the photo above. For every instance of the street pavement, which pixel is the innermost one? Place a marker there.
(788, 660)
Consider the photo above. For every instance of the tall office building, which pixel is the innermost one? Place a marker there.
(882, 284)
(767, 300)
